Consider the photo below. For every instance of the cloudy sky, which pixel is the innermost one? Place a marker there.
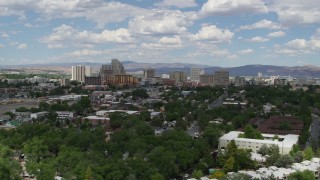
(213, 32)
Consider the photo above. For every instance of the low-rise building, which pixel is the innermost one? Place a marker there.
(65, 115)
(284, 142)
(107, 112)
(95, 120)
(38, 114)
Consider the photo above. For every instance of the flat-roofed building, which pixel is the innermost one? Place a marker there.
(207, 79)
(284, 142)
(221, 78)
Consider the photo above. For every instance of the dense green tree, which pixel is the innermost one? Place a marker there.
(308, 153)
(284, 161)
(263, 150)
(251, 133)
(306, 174)
(139, 93)
(35, 149)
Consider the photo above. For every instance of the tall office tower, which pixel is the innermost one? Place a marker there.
(221, 78)
(117, 67)
(178, 76)
(106, 70)
(207, 79)
(88, 71)
(79, 72)
(148, 73)
(195, 74)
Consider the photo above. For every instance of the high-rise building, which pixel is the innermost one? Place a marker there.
(221, 78)
(195, 74)
(88, 70)
(117, 67)
(108, 70)
(79, 72)
(178, 77)
(207, 79)
(148, 73)
(64, 82)
(239, 81)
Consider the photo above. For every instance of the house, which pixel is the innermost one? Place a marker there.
(38, 114)
(13, 123)
(65, 115)
(267, 108)
(107, 112)
(4, 118)
(95, 120)
(155, 114)
(284, 142)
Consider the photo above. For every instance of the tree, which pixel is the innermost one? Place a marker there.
(197, 174)
(308, 153)
(284, 161)
(298, 157)
(306, 174)
(263, 150)
(157, 176)
(250, 132)
(88, 175)
(228, 166)
(36, 149)
(164, 161)
(116, 120)
(273, 155)
(139, 93)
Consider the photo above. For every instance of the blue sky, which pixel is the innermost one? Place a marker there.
(213, 32)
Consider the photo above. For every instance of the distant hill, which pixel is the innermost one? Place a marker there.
(165, 68)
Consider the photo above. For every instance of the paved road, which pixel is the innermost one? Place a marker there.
(315, 129)
(193, 129)
(218, 102)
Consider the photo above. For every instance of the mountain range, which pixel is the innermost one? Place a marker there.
(165, 68)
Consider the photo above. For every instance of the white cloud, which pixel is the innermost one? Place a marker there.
(232, 7)
(276, 34)
(22, 46)
(177, 3)
(163, 22)
(245, 51)
(263, 24)
(170, 40)
(214, 34)
(164, 43)
(66, 35)
(84, 52)
(258, 39)
(294, 12)
(97, 11)
(5, 35)
(300, 46)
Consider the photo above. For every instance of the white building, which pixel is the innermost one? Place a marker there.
(195, 73)
(38, 79)
(38, 114)
(284, 143)
(79, 72)
(107, 112)
(64, 114)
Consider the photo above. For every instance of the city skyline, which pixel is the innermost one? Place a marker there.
(211, 32)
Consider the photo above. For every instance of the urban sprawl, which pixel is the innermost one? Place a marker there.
(110, 124)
